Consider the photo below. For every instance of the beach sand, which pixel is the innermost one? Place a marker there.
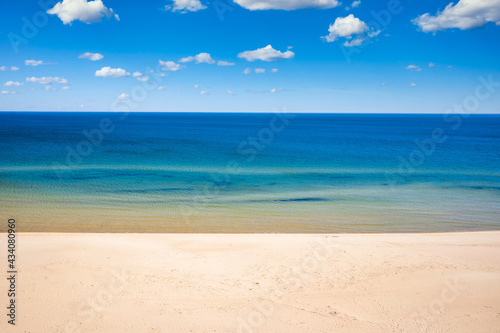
(75, 282)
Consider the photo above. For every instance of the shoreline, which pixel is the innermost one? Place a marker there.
(257, 233)
(410, 282)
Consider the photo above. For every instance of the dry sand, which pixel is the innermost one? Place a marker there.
(447, 282)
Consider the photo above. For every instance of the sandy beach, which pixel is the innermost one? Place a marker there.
(71, 282)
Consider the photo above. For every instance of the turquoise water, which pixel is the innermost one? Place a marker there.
(250, 172)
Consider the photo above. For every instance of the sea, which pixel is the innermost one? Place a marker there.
(249, 172)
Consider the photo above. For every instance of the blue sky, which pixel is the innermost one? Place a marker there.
(318, 55)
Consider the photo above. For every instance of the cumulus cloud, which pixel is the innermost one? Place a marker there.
(286, 4)
(247, 70)
(47, 80)
(199, 58)
(230, 92)
(12, 84)
(136, 74)
(414, 68)
(33, 63)
(274, 70)
(161, 88)
(350, 27)
(143, 78)
(413, 84)
(169, 66)
(275, 90)
(266, 54)
(50, 88)
(431, 64)
(111, 72)
(185, 6)
(14, 68)
(122, 97)
(65, 88)
(224, 63)
(91, 56)
(260, 70)
(87, 12)
(464, 15)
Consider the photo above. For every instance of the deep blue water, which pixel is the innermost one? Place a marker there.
(327, 172)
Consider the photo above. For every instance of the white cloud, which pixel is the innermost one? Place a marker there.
(266, 54)
(230, 92)
(224, 63)
(12, 84)
(185, 6)
(111, 72)
(345, 27)
(196, 86)
(169, 66)
(12, 68)
(161, 88)
(136, 74)
(274, 90)
(143, 78)
(431, 64)
(5, 92)
(413, 84)
(122, 97)
(247, 70)
(65, 88)
(355, 42)
(49, 88)
(260, 70)
(186, 59)
(466, 14)
(91, 56)
(286, 4)
(349, 27)
(414, 68)
(274, 70)
(203, 92)
(47, 80)
(87, 12)
(33, 62)
(354, 4)
(199, 58)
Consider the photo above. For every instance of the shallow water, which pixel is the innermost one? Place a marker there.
(249, 172)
